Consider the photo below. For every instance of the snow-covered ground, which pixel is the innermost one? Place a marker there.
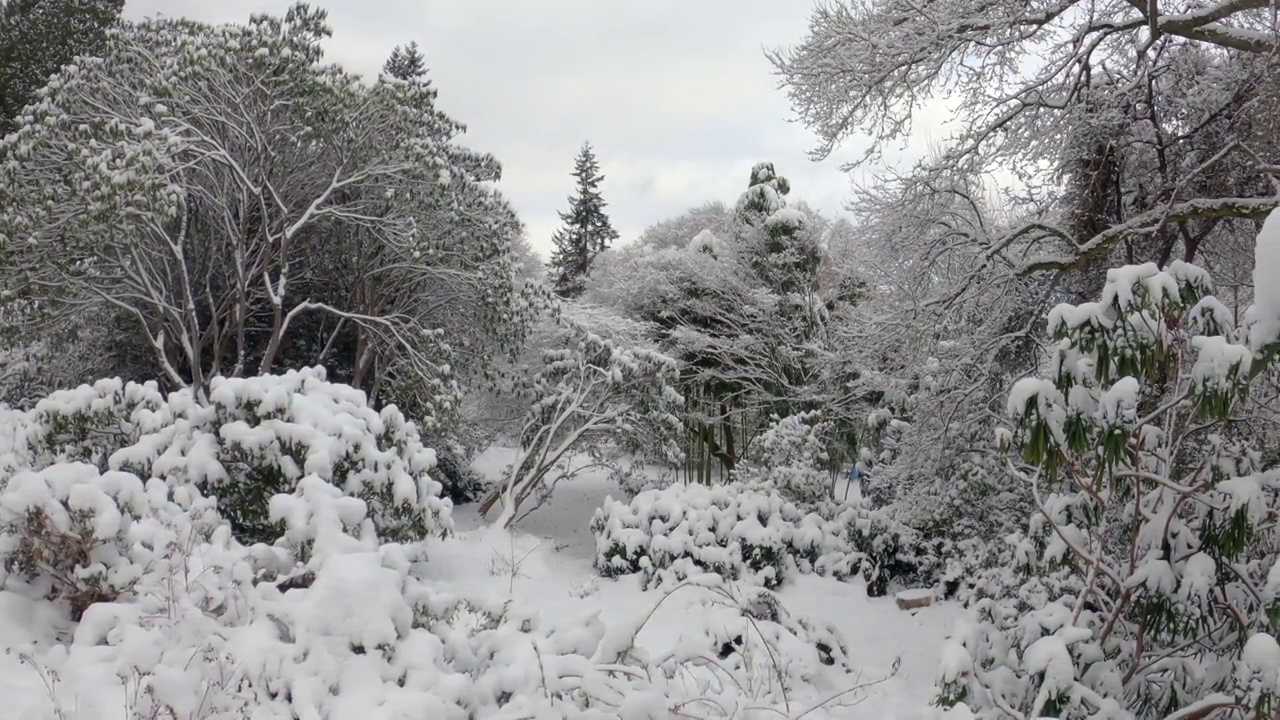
(554, 548)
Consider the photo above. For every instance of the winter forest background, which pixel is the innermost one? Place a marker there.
(296, 423)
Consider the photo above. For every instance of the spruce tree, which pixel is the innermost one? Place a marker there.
(38, 37)
(587, 231)
(407, 63)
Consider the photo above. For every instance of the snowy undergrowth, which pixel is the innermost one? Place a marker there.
(251, 439)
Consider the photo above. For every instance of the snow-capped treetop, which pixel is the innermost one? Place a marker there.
(707, 242)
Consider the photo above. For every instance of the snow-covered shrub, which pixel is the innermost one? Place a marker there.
(1152, 556)
(790, 455)
(889, 553)
(595, 398)
(88, 423)
(78, 535)
(751, 532)
(733, 530)
(459, 482)
(635, 478)
(252, 439)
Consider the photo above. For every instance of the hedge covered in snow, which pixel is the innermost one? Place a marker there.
(749, 531)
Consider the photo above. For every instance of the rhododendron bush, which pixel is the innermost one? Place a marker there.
(254, 438)
(751, 532)
(1152, 586)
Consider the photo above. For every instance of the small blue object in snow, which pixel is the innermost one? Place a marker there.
(854, 474)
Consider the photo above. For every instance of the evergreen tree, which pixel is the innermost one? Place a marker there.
(784, 251)
(37, 37)
(407, 63)
(587, 231)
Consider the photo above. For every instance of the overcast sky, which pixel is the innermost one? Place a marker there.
(676, 95)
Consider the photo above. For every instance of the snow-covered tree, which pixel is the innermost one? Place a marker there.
(783, 247)
(677, 232)
(594, 398)
(1084, 136)
(743, 299)
(260, 209)
(406, 63)
(1152, 548)
(37, 37)
(587, 231)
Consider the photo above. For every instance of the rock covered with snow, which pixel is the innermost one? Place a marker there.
(913, 599)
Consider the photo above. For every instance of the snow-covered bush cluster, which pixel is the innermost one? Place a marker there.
(252, 439)
(749, 532)
(732, 530)
(1151, 576)
(178, 619)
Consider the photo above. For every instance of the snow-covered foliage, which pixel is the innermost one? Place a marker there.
(175, 618)
(791, 456)
(732, 530)
(748, 531)
(593, 397)
(1265, 330)
(234, 205)
(1151, 554)
(1063, 140)
(253, 439)
(148, 606)
(743, 301)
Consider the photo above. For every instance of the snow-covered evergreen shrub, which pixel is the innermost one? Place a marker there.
(635, 478)
(79, 536)
(791, 456)
(891, 554)
(459, 481)
(178, 619)
(751, 532)
(731, 530)
(252, 439)
(1152, 555)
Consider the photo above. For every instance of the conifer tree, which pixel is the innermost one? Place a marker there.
(38, 37)
(407, 63)
(587, 231)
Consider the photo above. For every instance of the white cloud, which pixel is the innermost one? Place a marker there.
(677, 96)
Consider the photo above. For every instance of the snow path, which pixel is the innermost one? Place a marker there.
(554, 549)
